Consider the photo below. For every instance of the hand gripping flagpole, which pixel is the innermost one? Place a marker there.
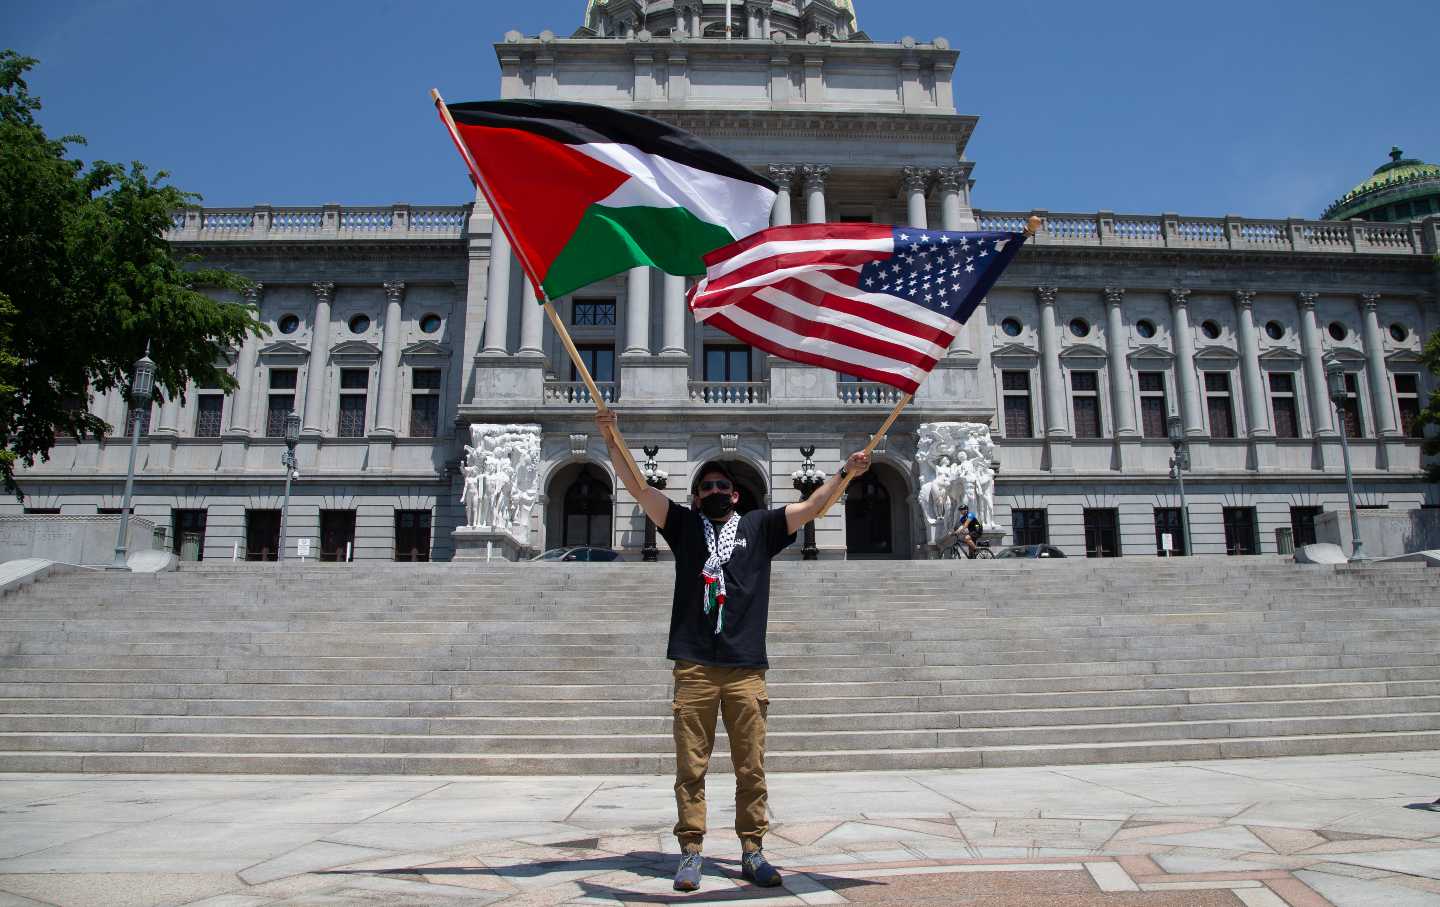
(1032, 226)
(534, 278)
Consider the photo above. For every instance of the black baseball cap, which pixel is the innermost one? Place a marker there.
(709, 467)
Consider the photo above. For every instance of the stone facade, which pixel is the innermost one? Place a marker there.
(395, 328)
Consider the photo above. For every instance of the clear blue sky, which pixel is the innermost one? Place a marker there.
(1262, 107)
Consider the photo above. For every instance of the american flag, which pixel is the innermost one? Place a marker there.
(877, 302)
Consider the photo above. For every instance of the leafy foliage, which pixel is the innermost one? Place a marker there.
(1430, 415)
(87, 280)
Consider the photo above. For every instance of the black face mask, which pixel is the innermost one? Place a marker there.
(716, 506)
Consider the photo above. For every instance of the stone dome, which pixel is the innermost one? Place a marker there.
(1400, 189)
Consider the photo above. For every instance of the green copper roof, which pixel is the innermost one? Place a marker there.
(1398, 171)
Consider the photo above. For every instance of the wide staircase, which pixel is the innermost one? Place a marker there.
(559, 669)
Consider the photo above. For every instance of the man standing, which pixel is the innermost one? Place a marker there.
(717, 640)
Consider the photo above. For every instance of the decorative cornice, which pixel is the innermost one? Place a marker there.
(1114, 295)
(1151, 352)
(428, 349)
(1014, 351)
(1281, 354)
(1245, 299)
(1306, 299)
(355, 349)
(283, 349)
(915, 179)
(945, 128)
(1046, 295)
(394, 290)
(1215, 351)
(1083, 351)
(324, 291)
(783, 175)
(1179, 297)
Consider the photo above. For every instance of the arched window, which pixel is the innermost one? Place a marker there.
(588, 510)
(867, 516)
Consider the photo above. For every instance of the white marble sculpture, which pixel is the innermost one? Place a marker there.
(502, 476)
(956, 468)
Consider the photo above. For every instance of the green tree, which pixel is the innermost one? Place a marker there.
(1430, 415)
(87, 280)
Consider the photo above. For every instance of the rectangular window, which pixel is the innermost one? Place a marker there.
(1217, 403)
(1085, 390)
(262, 535)
(1030, 526)
(412, 535)
(1169, 521)
(1302, 524)
(1350, 406)
(1102, 532)
(593, 312)
(1283, 404)
(424, 402)
(52, 511)
(1240, 535)
(1019, 422)
(1153, 408)
(337, 535)
(354, 382)
(1407, 399)
(144, 413)
(187, 530)
(281, 402)
(600, 360)
(727, 363)
(209, 408)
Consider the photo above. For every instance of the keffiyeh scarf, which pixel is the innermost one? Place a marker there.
(720, 550)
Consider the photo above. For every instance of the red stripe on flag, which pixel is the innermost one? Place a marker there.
(796, 232)
(870, 311)
(906, 384)
(834, 333)
(835, 257)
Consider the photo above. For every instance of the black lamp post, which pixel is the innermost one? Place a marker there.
(656, 478)
(142, 389)
(292, 471)
(1178, 464)
(806, 479)
(1335, 374)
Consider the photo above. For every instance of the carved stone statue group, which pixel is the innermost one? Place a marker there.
(502, 476)
(956, 468)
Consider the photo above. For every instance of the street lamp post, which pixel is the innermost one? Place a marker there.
(1178, 464)
(656, 478)
(292, 471)
(1335, 373)
(142, 389)
(806, 479)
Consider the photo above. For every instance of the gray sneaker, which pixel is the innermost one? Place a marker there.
(755, 868)
(687, 877)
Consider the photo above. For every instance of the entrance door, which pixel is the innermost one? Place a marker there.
(1168, 521)
(187, 532)
(262, 535)
(337, 535)
(587, 511)
(867, 517)
(412, 535)
(1102, 532)
(1240, 530)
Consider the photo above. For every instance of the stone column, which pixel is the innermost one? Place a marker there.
(387, 386)
(497, 296)
(784, 177)
(815, 176)
(1379, 372)
(1051, 378)
(1257, 415)
(1185, 363)
(1122, 402)
(1316, 390)
(532, 321)
(673, 339)
(169, 416)
(319, 359)
(241, 404)
(913, 184)
(637, 312)
(952, 183)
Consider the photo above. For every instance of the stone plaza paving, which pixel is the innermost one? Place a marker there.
(1342, 830)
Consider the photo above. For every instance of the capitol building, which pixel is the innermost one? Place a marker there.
(394, 329)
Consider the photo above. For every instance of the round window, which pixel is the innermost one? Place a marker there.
(1338, 331)
(1079, 327)
(1210, 329)
(1011, 327)
(430, 323)
(1399, 332)
(359, 324)
(1274, 330)
(289, 324)
(1145, 328)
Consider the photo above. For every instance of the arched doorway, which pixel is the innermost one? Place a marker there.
(877, 516)
(749, 483)
(582, 509)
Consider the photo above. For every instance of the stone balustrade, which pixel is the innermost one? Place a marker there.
(575, 393)
(730, 392)
(864, 393)
(319, 223)
(1173, 231)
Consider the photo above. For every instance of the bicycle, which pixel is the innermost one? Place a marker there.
(952, 548)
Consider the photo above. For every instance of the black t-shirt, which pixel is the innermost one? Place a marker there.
(761, 535)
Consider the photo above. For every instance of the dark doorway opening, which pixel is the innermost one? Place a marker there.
(262, 535)
(337, 535)
(1102, 532)
(412, 535)
(187, 533)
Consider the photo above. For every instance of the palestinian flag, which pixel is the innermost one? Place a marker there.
(589, 191)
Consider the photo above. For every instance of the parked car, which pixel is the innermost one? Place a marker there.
(579, 554)
(1030, 551)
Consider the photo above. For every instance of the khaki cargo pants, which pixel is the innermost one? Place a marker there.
(739, 695)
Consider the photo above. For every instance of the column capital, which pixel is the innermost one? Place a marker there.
(1245, 299)
(783, 175)
(1114, 295)
(1046, 295)
(1179, 297)
(815, 176)
(915, 179)
(951, 179)
(324, 291)
(1306, 299)
(1370, 301)
(253, 293)
(394, 290)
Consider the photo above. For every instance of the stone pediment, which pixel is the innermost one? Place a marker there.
(426, 349)
(1404, 357)
(1014, 351)
(1151, 353)
(1083, 351)
(1281, 356)
(1214, 352)
(355, 349)
(1345, 355)
(284, 349)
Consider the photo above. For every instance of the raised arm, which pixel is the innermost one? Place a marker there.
(652, 500)
(798, 514)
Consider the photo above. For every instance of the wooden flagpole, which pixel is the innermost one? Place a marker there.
(1032, 226)
(534, 279)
